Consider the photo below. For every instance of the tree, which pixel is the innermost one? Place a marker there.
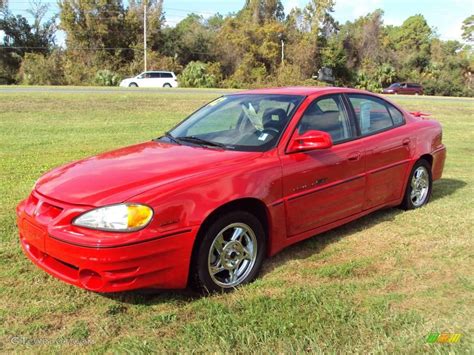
(468, 29)
(155, 21)
(20, 38)
(190, 40)
(413, 39)
(309, 29)
(94, 24)
(263, 11)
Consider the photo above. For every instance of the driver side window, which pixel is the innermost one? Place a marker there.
(329, 115)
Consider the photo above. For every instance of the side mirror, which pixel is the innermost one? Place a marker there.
(310, 140)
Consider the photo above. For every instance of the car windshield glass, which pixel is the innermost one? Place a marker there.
(395, 85)
(239, 122)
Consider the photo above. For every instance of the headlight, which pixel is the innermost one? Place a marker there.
(121, 218)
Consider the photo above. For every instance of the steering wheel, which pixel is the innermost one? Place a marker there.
(270, 130)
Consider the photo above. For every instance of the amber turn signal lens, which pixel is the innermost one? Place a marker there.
(138, 216)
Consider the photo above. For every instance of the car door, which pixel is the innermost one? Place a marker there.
(322, 186)
(153, 79)
(387, 148)
(404, 89)
(144, 80)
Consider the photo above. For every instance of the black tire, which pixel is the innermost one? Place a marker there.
(132, 85)
(408, 202)
(201, 278)
(167, 85)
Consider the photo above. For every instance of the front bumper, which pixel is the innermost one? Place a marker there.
(161, 262)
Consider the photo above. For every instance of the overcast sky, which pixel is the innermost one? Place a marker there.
(445, 16)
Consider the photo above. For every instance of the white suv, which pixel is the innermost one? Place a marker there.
(152, 79)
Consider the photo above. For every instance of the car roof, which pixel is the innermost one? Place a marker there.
(158, 71)
(304, 90)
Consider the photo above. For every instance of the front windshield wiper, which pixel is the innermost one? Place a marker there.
(200, 141)
(172, 138)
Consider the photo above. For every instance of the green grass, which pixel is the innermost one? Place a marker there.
(380, 284)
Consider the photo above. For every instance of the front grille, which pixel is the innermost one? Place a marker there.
(43, 211)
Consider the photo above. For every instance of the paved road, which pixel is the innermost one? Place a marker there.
(99, 90)
(115, 90)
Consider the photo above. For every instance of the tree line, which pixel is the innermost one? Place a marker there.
(104, 43)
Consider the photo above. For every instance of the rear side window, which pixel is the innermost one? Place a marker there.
(166, 75)
(155, 75)
(372, 114)
(397, 116)
(327, 114)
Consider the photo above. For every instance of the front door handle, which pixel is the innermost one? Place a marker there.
(354, 156)
(406, 141)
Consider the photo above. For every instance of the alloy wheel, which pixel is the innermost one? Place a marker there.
(232, 255)
(420, 185)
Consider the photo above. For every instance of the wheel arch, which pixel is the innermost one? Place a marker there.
(248, 204)
(428, 158)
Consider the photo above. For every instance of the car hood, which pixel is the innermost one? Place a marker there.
(118, 175)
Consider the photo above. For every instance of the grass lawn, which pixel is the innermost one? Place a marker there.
(379, 284)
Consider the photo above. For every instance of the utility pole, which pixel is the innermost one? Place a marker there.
(144, 32)
(282, 36)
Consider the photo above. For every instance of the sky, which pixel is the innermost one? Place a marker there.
(445, 16)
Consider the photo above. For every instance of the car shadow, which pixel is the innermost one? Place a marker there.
(302, 250)
(444, 187)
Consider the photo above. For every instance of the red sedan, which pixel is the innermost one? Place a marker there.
(240, 179)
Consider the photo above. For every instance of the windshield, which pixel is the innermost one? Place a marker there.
(395, 85)
(238, 122)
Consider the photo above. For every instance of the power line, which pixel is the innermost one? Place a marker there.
(77, 49)
(164, 9)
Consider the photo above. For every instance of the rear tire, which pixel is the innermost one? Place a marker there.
(133, 85)
(229, 253)
(167, 85)
(419, 186)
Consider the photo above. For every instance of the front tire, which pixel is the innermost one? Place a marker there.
(419, 186)
(230, 252)
(133, 85)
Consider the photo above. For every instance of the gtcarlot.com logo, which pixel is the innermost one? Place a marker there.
(443, 338)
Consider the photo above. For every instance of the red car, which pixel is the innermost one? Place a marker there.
(404, 89)
(240, 179)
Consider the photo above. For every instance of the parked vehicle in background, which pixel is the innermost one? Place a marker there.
(404, 89)
(152, 79)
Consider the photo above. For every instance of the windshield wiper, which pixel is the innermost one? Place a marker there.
(200, 141)
(172, 138)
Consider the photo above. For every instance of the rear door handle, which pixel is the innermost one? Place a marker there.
(354, 156)
(406, 141)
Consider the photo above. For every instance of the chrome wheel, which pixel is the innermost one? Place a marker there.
(232, 255)
(420, 186)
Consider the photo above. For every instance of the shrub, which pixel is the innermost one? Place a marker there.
(79, 68)
(365, 82)
(37, 69)
(107, 78)
(198, 75)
